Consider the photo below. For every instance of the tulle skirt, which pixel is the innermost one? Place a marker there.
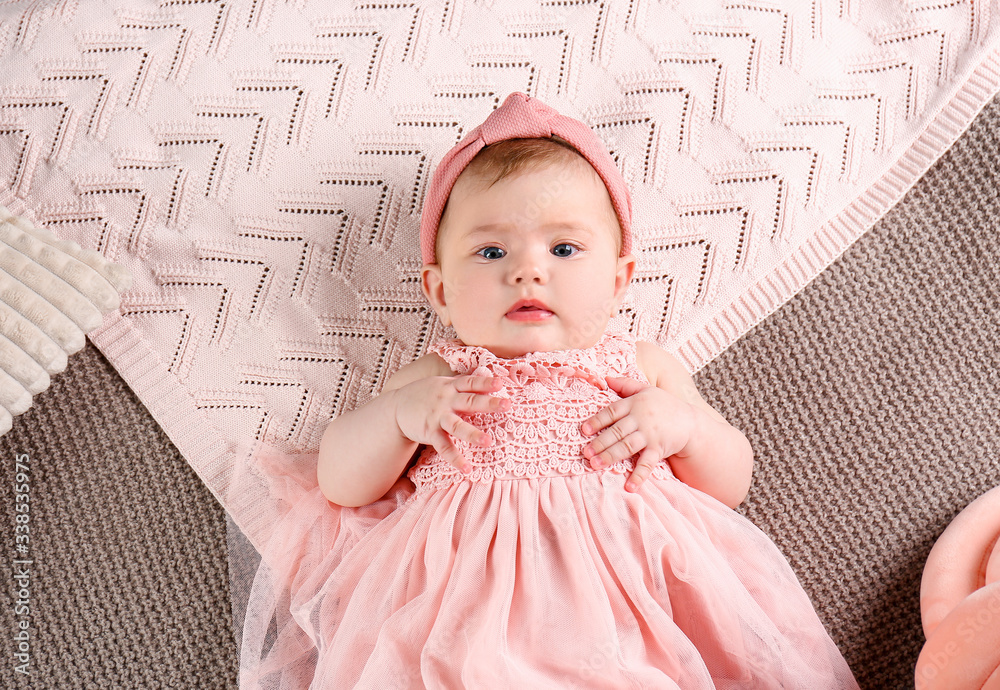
(554, 582)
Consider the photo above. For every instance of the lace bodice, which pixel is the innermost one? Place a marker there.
(551, 394)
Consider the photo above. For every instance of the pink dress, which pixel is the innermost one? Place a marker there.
(537, 571)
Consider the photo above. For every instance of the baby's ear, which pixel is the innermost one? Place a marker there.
(432, 283)
(623, 276)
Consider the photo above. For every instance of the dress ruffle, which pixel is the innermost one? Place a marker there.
(613, 355)
(564, 582)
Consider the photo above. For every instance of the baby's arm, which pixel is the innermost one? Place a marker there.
(364, 452)
(670, 419)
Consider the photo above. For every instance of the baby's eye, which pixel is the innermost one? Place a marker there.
(491, 253)
(564, 250)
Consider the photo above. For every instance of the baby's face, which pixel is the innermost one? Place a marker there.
(548, 236)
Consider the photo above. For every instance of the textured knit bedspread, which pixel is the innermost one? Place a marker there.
(260, 167)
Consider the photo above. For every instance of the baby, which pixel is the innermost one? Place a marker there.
(530, 258)
(569, 518)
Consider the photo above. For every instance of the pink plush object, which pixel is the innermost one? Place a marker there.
(960, 602)
(523, 117)
(956, 566)
(993, 565)
(963, 652)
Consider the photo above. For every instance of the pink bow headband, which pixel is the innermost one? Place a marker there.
(523, 117)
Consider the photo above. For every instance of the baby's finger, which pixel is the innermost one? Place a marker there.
(624, 386)
(459, 428)
(471, 434)
(476, 395)
(609, 415)
(619, 441)
(477, 402)
(450, 454)
(626, 448)
(477, 384)
(643, 468)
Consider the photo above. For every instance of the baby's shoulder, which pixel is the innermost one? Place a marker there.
(658, 365)
(431, 364)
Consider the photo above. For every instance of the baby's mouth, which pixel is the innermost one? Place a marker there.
(529, 312)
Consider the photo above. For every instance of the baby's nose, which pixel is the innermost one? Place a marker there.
(528, 269)
(529, 277)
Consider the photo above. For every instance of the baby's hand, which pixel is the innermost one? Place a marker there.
(427, 412)
(647, 420)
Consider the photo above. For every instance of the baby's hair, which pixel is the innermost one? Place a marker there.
(513, 156)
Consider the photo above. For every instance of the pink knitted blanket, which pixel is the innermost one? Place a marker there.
(260, 167)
